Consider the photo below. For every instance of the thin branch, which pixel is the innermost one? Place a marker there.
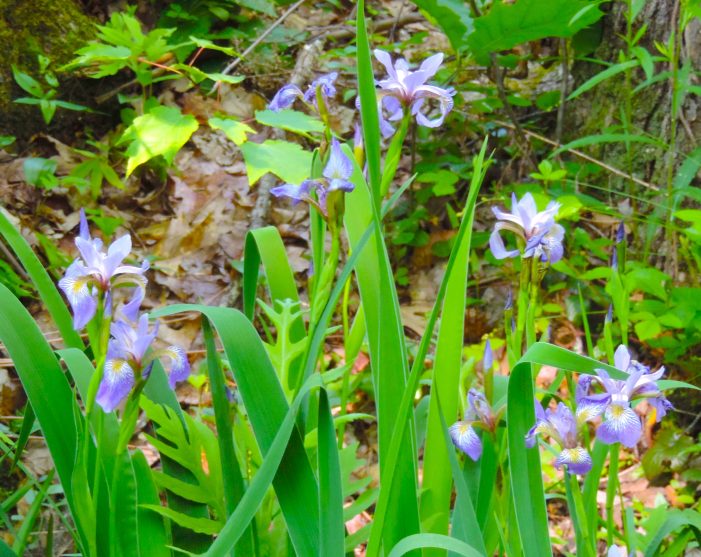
(259, 40)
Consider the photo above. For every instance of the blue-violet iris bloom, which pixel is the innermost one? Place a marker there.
(562, 426)
(97, 271)
(336, 174)
(462, 432)
(287, 95)
(128, 358)
(403, 88)
(538, 230)
(621, 424)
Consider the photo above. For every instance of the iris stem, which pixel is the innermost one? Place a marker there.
(522, 308)
(611, 489)
(579, 517)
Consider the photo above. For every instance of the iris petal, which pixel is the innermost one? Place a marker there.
(621, 425)
(466, 439)
(117, 382)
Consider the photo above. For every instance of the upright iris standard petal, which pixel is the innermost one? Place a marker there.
(466, 439)
(338, 169)
(117, 382)
(488, 356)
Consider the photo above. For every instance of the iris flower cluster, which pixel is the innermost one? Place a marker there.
(621, 424)
(540, 235)
(336, 175)
(91, 282)
(404, 89)
(289, 93)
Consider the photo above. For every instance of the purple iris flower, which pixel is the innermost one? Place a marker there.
(408, 89)
(97, 271)
(128, 358)
(287, 95)
(462, 432)
(336, 174)
(621, 424)
(488, 356)
(538, 230)
(562, 426)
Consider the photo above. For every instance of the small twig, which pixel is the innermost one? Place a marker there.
(377, 27)
(586, 157)
(393, 29)
(501, 92)
(259, 40)
(563, 90)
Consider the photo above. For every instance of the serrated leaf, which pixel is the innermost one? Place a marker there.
(507, 25)
(163, 131)
(288, 161)
(290, 120)
(233, 129)
(199, 525)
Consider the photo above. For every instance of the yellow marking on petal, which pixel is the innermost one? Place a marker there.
(617, 411)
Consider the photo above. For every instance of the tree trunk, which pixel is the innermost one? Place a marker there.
(53, 28)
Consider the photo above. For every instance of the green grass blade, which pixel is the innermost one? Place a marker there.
(677, 519)
(603, 76)
(42, 281)
(252, 499)
(404, 413)
(387, 356)
(437, 486)
(265, 246)
(368, 105)
(436, 541)
(263, 397)
(153, 536)
(231, 472)
(24, 433)
(330, 490)
(31, 515)
(44, 383)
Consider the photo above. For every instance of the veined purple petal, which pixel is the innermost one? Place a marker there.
(466, 439)
(117, 382)
(576, 459)
(339, 166)
(296, 193)
(116, 253)
(180, 365)
(478, 408)
(621, 425)
(661, 406)
(431, 64)
(496, 244)
(77, 287)
(340, 184)
(445, 104)
(285, 97)
(564, 423)
(142, 338)
(90, 252)
(386, 60)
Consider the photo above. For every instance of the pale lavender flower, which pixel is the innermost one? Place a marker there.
(539, 232)
(409, 88)
(129, 358)
(562, 426)
(289, 93)
(621, 424)
(97, 271)
(487, 357)
(336, 174)
(463, 433)
(617, 551)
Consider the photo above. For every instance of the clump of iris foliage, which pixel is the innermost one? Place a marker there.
(277, 474)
